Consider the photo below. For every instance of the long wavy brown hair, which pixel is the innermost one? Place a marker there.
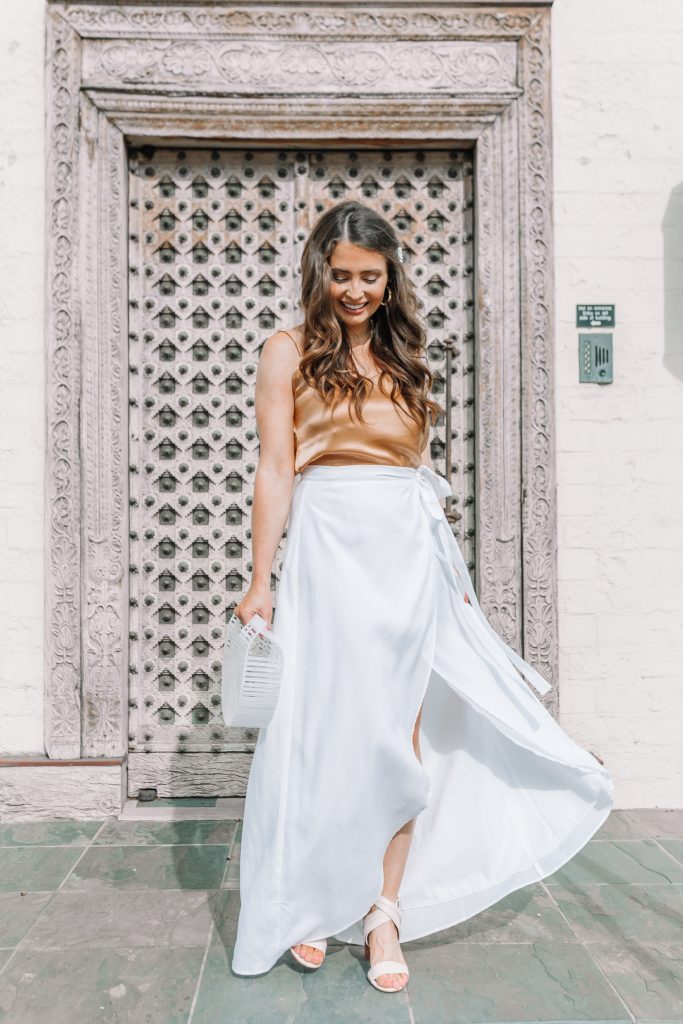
(398, 337)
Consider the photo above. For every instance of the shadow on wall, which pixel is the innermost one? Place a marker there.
(672, 231)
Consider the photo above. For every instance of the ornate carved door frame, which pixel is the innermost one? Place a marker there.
(274, 74)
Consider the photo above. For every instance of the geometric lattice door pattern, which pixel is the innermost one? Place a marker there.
(215, 242)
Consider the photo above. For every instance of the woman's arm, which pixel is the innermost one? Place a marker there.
(274, 481)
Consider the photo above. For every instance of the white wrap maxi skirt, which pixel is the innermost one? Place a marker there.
(370, 613)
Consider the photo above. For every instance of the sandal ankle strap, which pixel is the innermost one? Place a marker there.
(387, 910)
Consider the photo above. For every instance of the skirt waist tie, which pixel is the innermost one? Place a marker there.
(432, 487)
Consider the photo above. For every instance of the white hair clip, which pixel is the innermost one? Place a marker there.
(399, 254)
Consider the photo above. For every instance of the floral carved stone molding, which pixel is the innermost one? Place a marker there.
(432, 74)
(295, 66)
(370, 21)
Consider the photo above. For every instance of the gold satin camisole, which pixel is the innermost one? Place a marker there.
(336, 437)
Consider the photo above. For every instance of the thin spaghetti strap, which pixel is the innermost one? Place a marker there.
(290, 336)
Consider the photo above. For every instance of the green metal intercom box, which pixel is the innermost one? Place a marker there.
(595, 358)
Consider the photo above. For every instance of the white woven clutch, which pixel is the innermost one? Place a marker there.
(252, 669)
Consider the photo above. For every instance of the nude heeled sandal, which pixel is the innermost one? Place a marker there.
(320, 944)
(386, 910)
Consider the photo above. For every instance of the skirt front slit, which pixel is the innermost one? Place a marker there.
(371, 616)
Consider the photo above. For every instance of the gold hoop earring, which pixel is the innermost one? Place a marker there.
(389, 298)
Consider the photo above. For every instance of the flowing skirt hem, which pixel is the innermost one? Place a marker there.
(473, 903)
(454, 912)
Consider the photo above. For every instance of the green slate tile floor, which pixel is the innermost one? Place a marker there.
(134, 921)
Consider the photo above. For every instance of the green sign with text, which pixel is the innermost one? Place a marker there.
(594, 315)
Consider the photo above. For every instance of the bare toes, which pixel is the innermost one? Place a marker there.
(309, 954)
(392, 980)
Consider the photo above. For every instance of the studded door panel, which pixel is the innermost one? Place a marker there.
(215, 244)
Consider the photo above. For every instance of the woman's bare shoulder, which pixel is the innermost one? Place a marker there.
(293, 335)
(282, 351)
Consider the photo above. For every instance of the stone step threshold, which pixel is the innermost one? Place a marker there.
(194, 808)
(183, 809)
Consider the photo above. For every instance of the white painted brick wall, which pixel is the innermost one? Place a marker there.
(22, 425)
(618, 208)
(618, 192)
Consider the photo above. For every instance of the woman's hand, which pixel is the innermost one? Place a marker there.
(257, 600)
(467, 599)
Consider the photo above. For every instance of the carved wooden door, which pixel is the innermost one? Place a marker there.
(215, 244)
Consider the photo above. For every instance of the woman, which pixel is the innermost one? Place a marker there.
(406, 751)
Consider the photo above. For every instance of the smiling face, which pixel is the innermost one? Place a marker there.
(358, 280)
